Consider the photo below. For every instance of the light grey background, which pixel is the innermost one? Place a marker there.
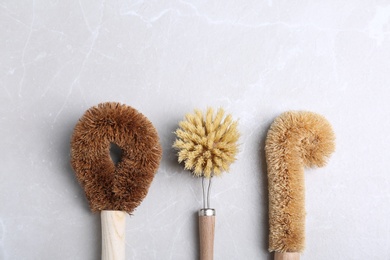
(256, 59)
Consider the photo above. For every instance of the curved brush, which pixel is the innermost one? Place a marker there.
(295, 140)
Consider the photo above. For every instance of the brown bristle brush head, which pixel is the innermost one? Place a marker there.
(108, 186)
(295, 140)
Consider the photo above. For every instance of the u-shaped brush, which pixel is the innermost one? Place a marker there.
(294, 141)
(207, 145)
(114, 189)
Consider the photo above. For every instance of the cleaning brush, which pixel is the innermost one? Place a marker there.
(114, 189)
(207, 145)
(295, 140)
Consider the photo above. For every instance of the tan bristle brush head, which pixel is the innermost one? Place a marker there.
(295, 140)
(206, 144)
(108, 186)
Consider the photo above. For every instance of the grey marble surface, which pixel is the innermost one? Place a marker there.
(256, 59)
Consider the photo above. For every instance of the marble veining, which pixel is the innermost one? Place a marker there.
(165, 58)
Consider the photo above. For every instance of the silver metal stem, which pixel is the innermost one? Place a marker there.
(208, 192)
(204, 192)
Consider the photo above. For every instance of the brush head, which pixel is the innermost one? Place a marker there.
(108, 186)
(207, 144)
(295, 140)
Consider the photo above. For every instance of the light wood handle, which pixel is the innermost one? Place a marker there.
(206, 236)
(286, 256)
(113, 234)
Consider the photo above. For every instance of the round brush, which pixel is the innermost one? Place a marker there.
(207, 145)
(295, 140)
(114, 189)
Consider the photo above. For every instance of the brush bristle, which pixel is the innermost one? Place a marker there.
(108, 186)
(207, 144)
(295, 140)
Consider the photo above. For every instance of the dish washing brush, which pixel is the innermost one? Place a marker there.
(295, 140)
(114, 189)
(207, 145)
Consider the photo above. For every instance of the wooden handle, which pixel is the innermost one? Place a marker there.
(286, 256)
(113, 234)
(206, 236)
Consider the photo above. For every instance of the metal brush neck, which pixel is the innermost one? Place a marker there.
(206, 194)
(207, 212)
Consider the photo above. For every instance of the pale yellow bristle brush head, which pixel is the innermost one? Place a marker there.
(295, 140)
(207, 143)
